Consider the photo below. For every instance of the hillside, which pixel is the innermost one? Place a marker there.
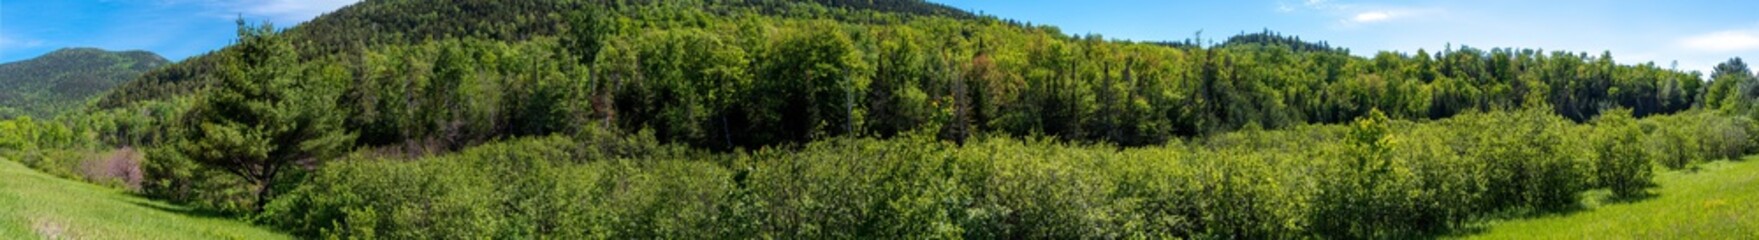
(371, 24)
(65, 79)
(46, 207)
(795, 71)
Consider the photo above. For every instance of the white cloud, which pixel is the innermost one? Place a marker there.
(1351, 14)
(1723, 41)
(1317, 5)
(279, 11)
(289, 11)
(1368, 17)
(8, 43)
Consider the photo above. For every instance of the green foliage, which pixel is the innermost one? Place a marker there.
(518, 189)
(1681, 140)
(747, 74)
(52, 146)
(1621, 162)
(263, 118)
(1368, 193)
(1530, 161)
(813, 79)
(1377, 178)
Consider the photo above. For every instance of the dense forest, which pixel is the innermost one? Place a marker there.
(64, 79)
(711, 119)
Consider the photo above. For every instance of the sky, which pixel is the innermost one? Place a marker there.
(1696, 33)
(176, 29)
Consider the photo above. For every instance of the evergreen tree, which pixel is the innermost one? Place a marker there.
(262, 118)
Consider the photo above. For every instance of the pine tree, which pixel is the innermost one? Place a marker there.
(262, 118)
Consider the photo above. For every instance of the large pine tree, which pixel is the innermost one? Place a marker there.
(262, 116)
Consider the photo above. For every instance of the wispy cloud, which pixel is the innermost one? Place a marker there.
(278, 11)
(289, 11)
(1373, 16)
(1350, 14)
(10, 43)
(1315, 5)
(1723, 41)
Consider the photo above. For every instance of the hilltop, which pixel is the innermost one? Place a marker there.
(64, 79)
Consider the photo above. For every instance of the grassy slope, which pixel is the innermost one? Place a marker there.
(1719, 202)
(34, 204)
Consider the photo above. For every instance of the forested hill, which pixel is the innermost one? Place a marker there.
(400, 22)
(64, 79)
(752, 73)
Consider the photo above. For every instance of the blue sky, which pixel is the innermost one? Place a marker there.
(176, 29)
(1696, 33)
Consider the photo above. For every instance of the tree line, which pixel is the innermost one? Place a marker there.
(697, 73)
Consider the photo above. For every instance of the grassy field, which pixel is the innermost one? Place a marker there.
(34, 205)
(1720, 201)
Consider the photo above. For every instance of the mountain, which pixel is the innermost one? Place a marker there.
(370, 24)
(64, 79)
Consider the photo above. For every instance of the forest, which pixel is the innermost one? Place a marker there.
(739, 119)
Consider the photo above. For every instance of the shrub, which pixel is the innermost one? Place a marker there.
(118, 168)
(1378, 178)
(516, 189)
(1530, 164)
(1680, 140)
(1621, 164)
(172, 177)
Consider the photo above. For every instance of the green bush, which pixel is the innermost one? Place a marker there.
(1621, 163)
(1681, 140)
(516, 189)
(1378, 178)
(170, 176)
(1530, 163)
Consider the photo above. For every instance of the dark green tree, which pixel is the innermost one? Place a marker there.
(263, 117)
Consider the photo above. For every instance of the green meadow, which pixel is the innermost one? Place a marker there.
(34, 205)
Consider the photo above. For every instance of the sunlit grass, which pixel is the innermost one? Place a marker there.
(34, 205)
(1718, 201)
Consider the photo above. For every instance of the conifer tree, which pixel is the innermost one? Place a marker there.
(261, 117)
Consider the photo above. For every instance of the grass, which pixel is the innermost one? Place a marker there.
(1718, 201)
(34, 205)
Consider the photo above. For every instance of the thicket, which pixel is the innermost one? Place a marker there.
(1373, 178)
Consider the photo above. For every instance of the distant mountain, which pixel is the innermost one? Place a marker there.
(1269, 38)
(64, 79)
